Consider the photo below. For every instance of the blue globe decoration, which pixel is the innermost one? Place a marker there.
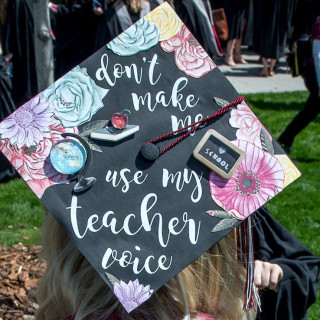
(68, 156)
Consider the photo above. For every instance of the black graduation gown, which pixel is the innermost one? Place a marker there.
(74, 27)
(304, 16)
(272, 20)
(7, 171)
(196, 15)
(299, 286)
(248, 31)
(236, 12)
(18, 38)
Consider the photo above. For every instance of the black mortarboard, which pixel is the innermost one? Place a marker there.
(146, 155)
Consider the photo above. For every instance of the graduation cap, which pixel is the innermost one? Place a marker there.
(146, 155)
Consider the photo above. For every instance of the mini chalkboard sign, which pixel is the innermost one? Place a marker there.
(218, 153)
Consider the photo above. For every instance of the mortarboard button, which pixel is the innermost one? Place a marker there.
(150, 151)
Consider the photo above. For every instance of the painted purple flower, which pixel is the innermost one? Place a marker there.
(131, 295)
(258, 178)
(33, 162)
(29, 124)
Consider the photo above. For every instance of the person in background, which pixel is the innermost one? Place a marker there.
(236, 13)
(7, 171)
(74, 27)
(98, 7)
(18, 42)
(276, 247)
(315, 34)
(120, 15)
(272, 20)
(197, 16)
(311, 77)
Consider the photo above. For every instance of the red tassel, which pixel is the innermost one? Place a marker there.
(246, 253)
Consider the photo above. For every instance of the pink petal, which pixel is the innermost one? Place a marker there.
(257, 165)
(167, 46)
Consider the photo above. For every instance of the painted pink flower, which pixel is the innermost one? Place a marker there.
(131, 294)
(190, 57)
(33, 163)
(28, 125)
(249, 126)
(258, 178)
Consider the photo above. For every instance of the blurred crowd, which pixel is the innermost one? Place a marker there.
(80, 27)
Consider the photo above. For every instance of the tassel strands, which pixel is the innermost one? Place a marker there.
(246, 253)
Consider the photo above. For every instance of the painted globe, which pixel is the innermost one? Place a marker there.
(68, 156)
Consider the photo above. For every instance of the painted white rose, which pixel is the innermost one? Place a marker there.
(141, 36)
(75, 97)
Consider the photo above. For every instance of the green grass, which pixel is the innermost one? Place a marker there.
(297, 207)
(21, 212)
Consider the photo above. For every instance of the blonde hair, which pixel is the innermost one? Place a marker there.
(3, 16)
(3, 11)
(134, 6)
(214, 284)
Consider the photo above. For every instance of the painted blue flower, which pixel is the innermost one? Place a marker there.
(141, 36)
(75, 97)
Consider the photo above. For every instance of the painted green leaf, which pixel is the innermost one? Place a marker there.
(92, 145)
(126, 111)
(220, 102)
(219, 214)
(92, 126)
(95, 147)
(224, 224)
(266, 141)
(111, 278)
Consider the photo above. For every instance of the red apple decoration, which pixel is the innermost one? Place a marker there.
(119, 120)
